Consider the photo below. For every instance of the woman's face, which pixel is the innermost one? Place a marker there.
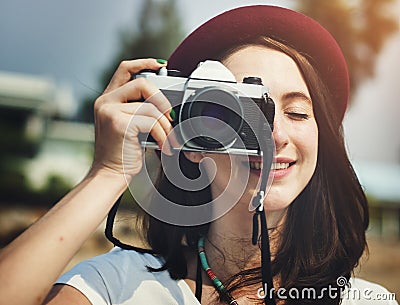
(295, 130)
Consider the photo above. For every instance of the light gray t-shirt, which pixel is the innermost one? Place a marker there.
(121, 277)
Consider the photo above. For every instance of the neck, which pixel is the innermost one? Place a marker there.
(228, 245)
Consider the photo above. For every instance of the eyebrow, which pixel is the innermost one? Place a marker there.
(297, 94)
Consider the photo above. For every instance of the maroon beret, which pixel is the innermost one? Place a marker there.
(289, 27)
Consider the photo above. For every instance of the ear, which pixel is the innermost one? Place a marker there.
(193, 156)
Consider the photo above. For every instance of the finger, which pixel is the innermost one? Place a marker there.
(140, 89)
(146, 109)
(145, 124)
(149, 109)
(126, 68)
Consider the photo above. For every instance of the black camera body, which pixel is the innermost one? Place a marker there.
(213, 112)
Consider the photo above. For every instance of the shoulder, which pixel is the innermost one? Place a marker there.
(122, 277)
(105, 279)
(116, 266)
(123, 261)
(362, 292)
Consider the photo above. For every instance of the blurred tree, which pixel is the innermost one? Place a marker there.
(157, 34)
(361, 27)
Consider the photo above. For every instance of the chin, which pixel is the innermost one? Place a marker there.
(276, 203)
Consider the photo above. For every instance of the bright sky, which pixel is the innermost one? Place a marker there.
(72, 41)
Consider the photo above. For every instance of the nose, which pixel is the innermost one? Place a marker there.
(280, 133)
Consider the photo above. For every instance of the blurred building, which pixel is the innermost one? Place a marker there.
(38, 140)
(26, 104)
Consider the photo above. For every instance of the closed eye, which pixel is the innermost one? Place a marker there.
(298, 116)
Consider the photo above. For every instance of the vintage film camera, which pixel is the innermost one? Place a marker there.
(214, 113)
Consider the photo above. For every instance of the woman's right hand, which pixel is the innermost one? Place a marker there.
(121, 114)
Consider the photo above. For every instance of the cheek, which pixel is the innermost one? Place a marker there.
(307, 143)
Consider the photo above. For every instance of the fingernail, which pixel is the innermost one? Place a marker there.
(166, 148)
(172, 114)
(173, 140)
(161, 61)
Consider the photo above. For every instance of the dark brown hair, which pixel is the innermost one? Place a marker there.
(323, 236)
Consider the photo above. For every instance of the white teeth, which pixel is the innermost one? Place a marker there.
(275, 166)
(279, 166)
(255, 165)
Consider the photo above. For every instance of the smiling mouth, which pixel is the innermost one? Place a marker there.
(255, 165)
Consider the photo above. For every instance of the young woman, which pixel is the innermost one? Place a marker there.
(315, 208)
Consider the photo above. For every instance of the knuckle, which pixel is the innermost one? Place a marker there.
(123, 65)
(152, 109)
(104, 110)
(141, 82)
(97, 103)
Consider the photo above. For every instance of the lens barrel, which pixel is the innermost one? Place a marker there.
(215, 117)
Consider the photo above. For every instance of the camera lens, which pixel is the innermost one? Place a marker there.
(213, 116)
(218, 116)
